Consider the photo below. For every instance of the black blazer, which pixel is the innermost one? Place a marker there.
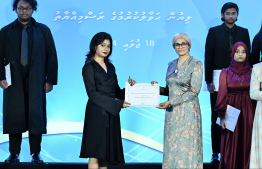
(217, 53)
(256, 48)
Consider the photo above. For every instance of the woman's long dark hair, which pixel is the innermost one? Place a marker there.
(96, 40)
(260, 29)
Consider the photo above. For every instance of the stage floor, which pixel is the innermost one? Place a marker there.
(24, 165)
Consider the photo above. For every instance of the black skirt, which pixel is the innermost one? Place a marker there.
(102, 136)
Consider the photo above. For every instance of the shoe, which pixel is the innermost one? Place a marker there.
(36, 158)
(215, 158)
(13, 158)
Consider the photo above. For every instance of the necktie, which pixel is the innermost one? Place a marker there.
(230, 38)
(24, 47)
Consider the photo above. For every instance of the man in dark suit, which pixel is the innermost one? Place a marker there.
(29, 48)
(219, 42)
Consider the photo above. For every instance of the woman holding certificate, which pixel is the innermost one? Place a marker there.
(234, 85)
(183, 126)
(102, 142)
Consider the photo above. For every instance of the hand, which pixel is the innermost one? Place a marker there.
(3, 84)
(211, 87)
(131, 81)
(48, 87)
(126, 104)
(163, 105)
(154, 82)
(223, 123)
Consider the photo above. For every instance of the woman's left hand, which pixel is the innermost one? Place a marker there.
(223, 123)
(131, 81)
(163, 105)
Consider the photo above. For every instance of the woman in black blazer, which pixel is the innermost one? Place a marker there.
(102, 142)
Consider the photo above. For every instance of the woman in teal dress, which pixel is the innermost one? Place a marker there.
(183, 127)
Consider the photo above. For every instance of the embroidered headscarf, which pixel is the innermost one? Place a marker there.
(184, 36)
(239, 67)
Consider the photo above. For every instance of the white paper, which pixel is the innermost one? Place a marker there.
(8, 74)
(231, 117)
(142, 94)
(216, 75)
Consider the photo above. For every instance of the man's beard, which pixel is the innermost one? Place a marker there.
(231, 22)
(24, 20)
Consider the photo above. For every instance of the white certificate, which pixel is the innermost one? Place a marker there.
(216, 75)
(142, 94)
(231, 117)
(8, 75)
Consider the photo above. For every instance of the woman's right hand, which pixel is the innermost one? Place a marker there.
(223, 123)
(164, 105)
(131, 81)
(126, 104)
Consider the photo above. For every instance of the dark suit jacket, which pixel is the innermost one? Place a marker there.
(256, 48)
(217, 53)
(43, 68)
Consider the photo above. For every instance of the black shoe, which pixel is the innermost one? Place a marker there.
(13, 158)
(36, 158)
(214, 159)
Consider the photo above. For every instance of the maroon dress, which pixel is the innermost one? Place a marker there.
(234, 91)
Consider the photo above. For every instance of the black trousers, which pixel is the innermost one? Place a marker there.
(15, 140)
(215, 128)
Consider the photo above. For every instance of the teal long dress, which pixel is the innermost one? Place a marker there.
(183, 127)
